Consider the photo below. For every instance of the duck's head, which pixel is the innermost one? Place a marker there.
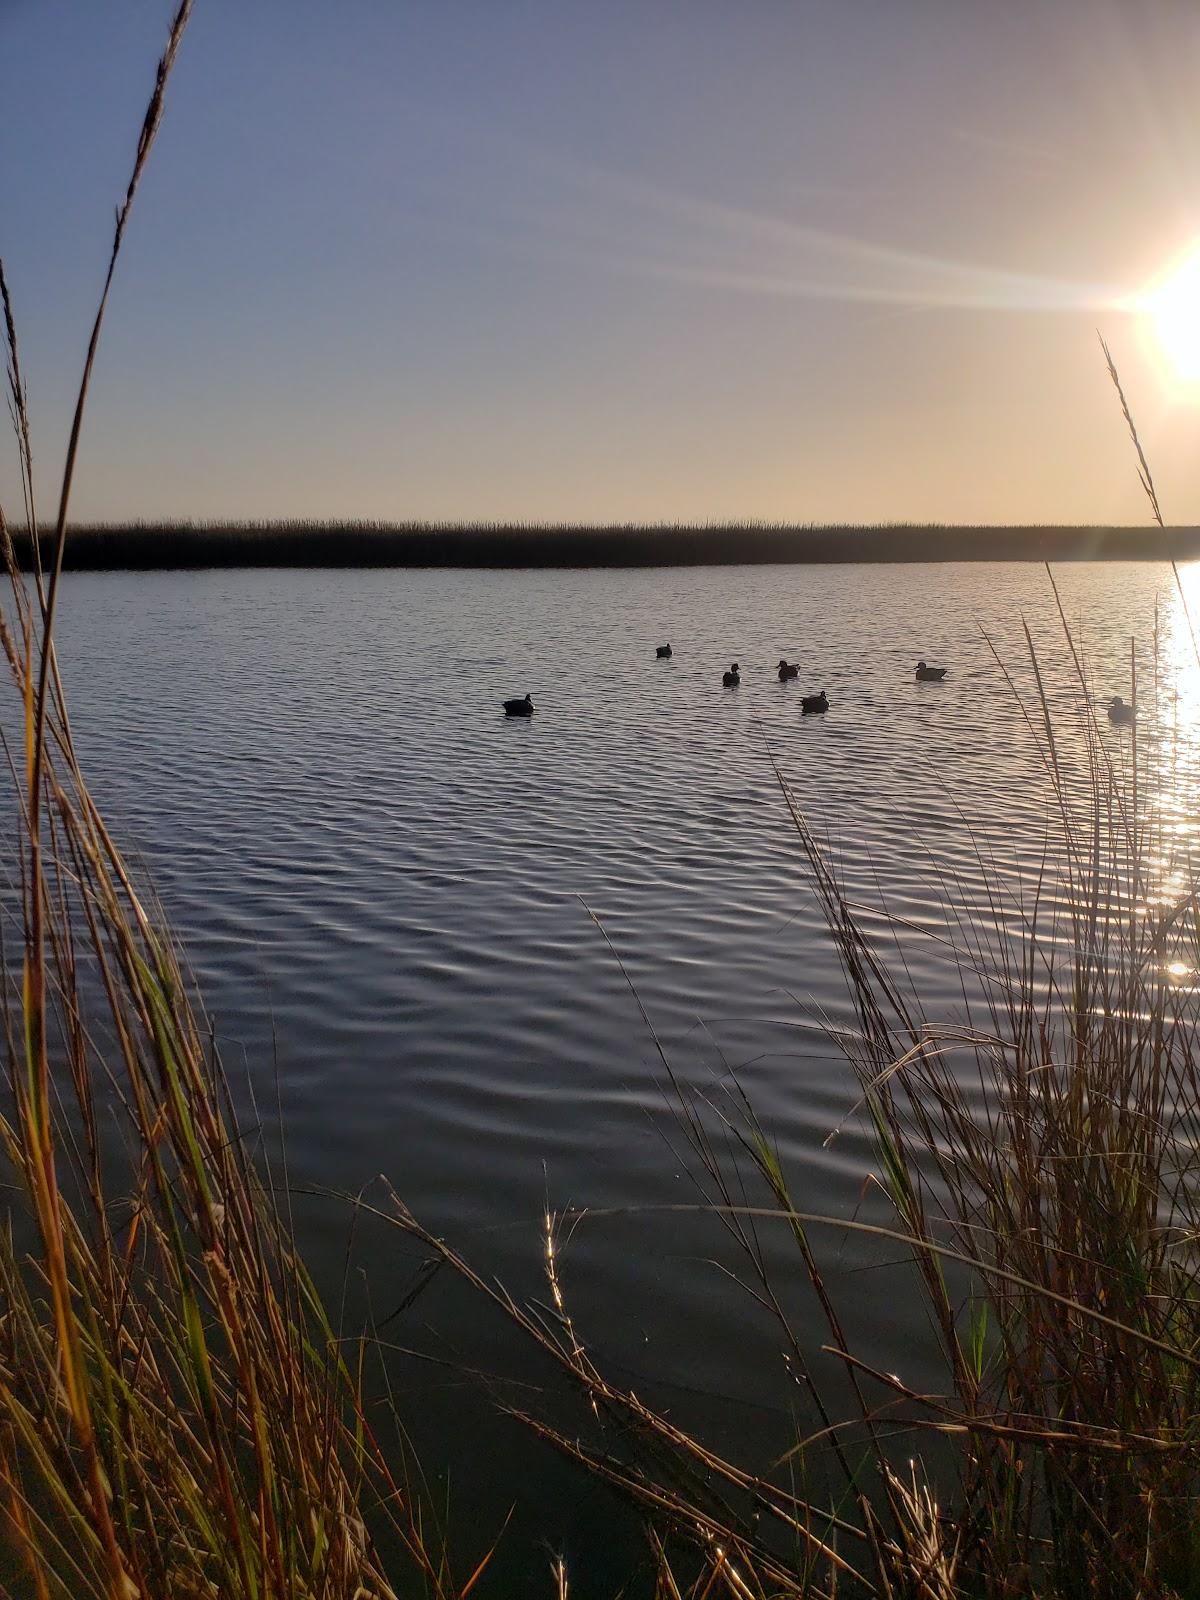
(735, 667)
(529, 701)
(1115, 702)
(920, 666)
(782, 662)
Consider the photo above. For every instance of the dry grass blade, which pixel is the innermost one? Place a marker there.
(18, 405)
(1144, 475)
(177, 1416)
(1147, 482)
(150, 126)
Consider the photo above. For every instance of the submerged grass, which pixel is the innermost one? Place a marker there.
(179, 1417)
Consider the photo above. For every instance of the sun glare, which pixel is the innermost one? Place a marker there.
(1171, 306)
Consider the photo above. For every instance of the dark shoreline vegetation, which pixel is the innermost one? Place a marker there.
(147, 546)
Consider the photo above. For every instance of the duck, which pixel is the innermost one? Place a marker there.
(663, 652)
(519, 708)
(787, 671)
(814, 703)
(732, 678)
(929, 674)
(1119, 712)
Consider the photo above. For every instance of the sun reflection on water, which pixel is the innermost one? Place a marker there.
(1163, 750)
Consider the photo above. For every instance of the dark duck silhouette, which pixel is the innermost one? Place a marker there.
(787, 670)
(929, 674)
(663, 652)
(1119, 712)
(519, 708)
(813, 703)
(732, 678)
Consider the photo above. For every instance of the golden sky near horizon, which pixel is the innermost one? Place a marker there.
(831, 262)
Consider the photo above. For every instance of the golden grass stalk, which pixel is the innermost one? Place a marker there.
(178, 1417)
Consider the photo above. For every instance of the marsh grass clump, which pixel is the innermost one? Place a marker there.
(178, 1415)
(1048, 1142)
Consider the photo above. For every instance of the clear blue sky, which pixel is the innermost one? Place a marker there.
(637, 258)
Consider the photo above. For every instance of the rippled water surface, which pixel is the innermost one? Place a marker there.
(424, 924)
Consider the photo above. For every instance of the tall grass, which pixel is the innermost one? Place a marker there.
(178, 1416)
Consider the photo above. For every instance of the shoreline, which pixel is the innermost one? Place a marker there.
(146, 546)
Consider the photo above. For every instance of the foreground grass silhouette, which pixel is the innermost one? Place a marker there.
(177, 1417)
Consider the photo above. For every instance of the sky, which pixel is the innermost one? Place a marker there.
(645, 259)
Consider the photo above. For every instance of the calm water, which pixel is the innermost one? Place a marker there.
(408, 912)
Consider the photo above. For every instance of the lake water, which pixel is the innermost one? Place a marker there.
(426, 923)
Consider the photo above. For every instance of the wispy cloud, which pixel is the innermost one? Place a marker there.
(628, 224)
(1036, 158)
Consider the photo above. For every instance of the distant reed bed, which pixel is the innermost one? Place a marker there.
(142, 546)
(180, 1416)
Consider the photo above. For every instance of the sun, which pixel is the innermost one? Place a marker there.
(1171, 307)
